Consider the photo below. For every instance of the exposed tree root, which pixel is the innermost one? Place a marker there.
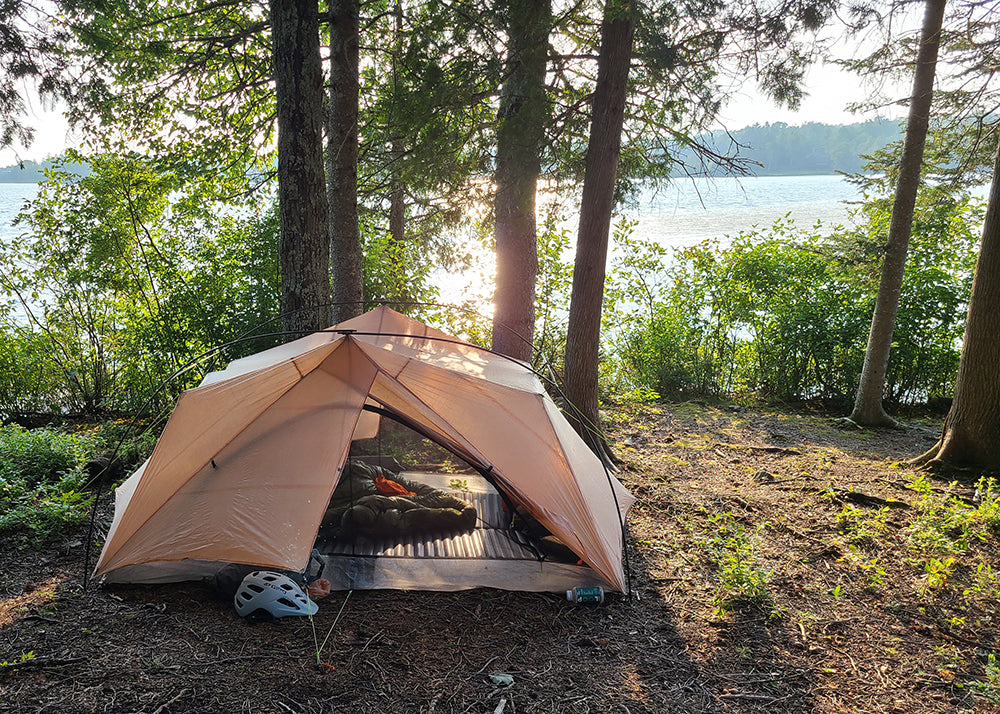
(858, 421)
(929, 456)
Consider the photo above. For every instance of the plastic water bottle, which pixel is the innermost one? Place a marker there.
(594, 595)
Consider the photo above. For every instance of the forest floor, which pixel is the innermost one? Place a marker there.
(778, 563)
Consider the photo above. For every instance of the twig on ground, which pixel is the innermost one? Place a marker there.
(39, 662)
(755, 698)
(167, 705)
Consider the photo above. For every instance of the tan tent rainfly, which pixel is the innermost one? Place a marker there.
(246, 466)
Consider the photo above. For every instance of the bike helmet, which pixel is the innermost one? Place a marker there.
(274, 594)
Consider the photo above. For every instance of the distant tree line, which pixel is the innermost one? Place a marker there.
(34, 171)
(780, 149)
(773, 149)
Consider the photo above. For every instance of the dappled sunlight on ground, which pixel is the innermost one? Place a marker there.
(35, 597)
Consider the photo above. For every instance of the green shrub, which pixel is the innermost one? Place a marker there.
(30, 517)
(42, 456)
(119, 280)
(41, 477)
(782, 314)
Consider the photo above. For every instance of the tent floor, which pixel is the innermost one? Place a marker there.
(485, 557)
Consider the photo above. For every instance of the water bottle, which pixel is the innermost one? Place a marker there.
(594, 595)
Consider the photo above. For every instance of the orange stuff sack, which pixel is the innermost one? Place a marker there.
(318, 588)
(390, 488)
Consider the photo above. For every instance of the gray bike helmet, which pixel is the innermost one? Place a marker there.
(273, 593)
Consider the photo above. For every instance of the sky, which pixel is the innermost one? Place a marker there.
(52, 136)
(829, 89)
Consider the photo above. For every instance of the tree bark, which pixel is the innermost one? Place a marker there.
(608, 114)
(298, 80)
(397, 187)
(971, 434)
(342, 161)
(868, 408)
(397, 196)
(523, 111)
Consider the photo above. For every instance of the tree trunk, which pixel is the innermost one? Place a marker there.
(298, 80)
(397, 195)
(868, 401)
(971, 435)
(523, 111)
(399, 290)
(342, 161)
(397, 187)
(584, 334)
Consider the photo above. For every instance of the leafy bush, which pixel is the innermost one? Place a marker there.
(42, 456)
(41, 477)
(660, 322)
(30, 517)
(121, 279)
(783, 314)
(935, 291)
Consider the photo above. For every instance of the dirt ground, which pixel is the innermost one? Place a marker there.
(749, 595)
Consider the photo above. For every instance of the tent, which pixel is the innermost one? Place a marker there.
(249, 459)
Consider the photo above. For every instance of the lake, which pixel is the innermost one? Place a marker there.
(12, 198)
(689, 211)
(685, 212)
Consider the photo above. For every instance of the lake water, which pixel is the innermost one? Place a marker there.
(689, 211)
(12, 199)
(685, 212)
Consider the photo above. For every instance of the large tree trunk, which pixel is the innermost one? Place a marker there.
(868, 401)
(584, 335)
(523, 110)
(971, 435)
(342, 161)
(298, 80)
